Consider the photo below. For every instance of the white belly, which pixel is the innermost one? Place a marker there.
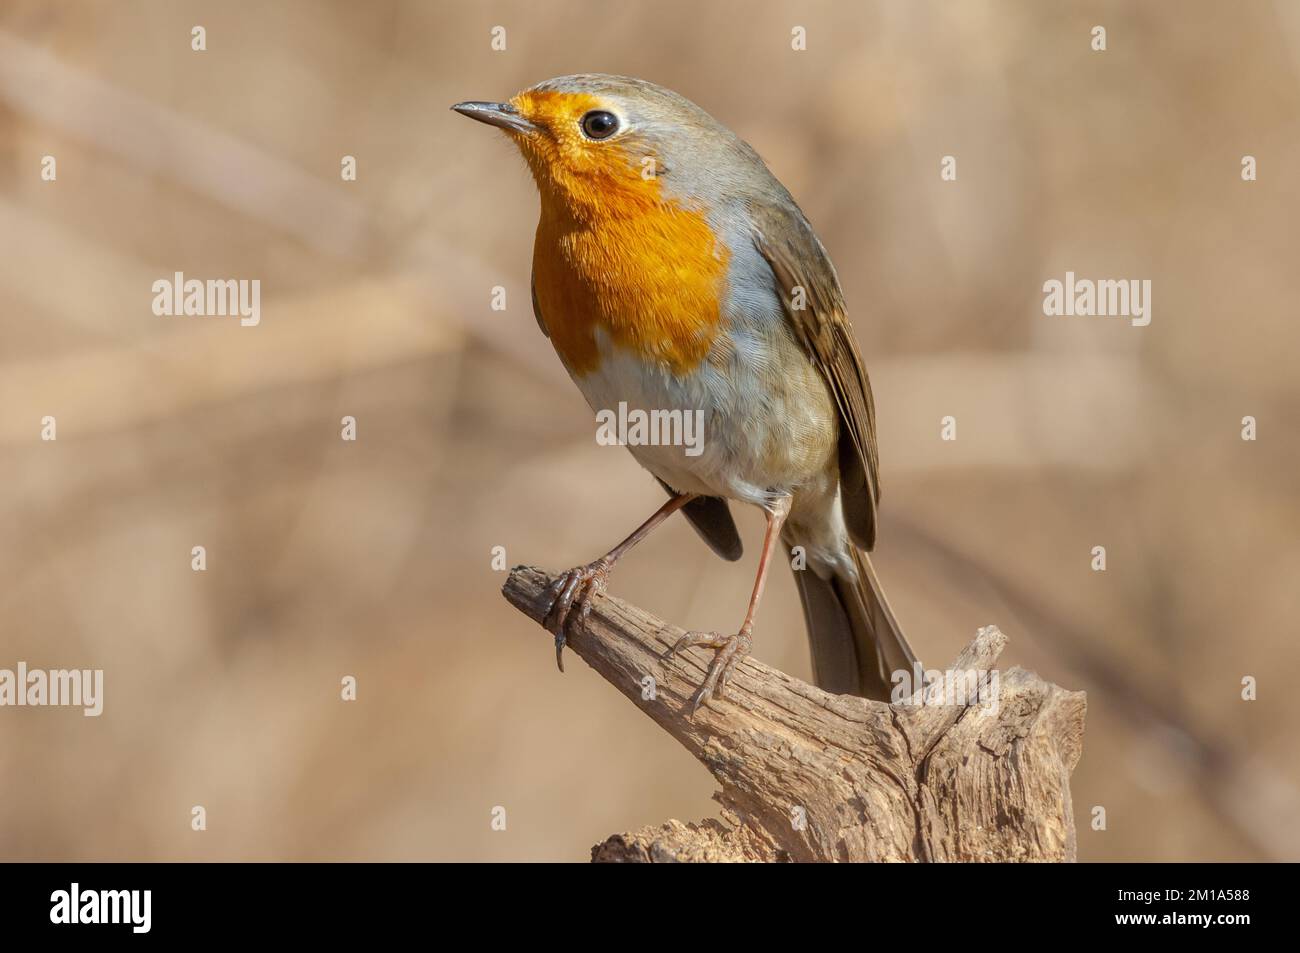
(762, 433)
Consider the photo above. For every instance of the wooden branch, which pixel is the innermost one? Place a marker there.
(810, 776)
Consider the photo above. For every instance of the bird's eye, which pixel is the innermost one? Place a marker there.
(599, 124)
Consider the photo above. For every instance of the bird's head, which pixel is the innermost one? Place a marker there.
(601, 144)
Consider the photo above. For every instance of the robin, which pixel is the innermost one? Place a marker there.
(673, 272)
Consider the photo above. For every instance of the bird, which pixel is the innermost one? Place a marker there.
(672, 271)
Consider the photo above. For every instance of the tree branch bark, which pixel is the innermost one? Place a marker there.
(980, 774)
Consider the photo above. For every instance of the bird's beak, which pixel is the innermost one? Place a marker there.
(502, 115)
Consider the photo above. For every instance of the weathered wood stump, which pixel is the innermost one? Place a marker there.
(980, 774)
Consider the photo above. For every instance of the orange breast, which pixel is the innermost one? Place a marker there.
(649, 273)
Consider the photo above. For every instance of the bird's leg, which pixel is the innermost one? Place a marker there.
(577, 586)
(732, 649)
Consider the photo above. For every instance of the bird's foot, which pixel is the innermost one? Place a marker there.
(574, 589)
(731, 651)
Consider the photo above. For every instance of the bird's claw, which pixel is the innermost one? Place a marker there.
(573, 588)
(731, 650)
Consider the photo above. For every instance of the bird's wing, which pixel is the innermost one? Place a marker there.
(711, 517)
(814, 304)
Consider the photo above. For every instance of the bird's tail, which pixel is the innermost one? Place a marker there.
(856, 642)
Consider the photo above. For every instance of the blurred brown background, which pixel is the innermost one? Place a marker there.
(372, 558)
